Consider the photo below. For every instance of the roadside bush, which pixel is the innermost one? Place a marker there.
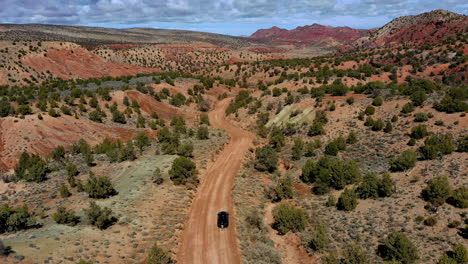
(397, 247)
(99, 187)
(65, 217)
(288, 218)
(347, 200)
(183, 171)
(266, 159)
(405, 161)
(459, 197)
(15, 219)
(281, 190)
(101, 217)
(203, 133)
(158, 255)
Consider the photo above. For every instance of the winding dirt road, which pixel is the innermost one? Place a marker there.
(202, 241)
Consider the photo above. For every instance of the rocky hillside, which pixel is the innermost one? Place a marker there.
(313, 34)
(431, 27)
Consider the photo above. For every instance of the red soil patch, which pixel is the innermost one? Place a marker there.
(301, 188)
(36, 136)
(3, 79)
(80, 63)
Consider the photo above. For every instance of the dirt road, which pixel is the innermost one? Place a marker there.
(202, 241)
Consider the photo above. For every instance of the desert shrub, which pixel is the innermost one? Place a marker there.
(354, 254)
(459, 253)
(319, 239)
(407, 108)
(420, 117)
(118, 117)
(394, 119)
(127, 152)
(288, 218)
(352, 138)
(347, 200)
(15, 219)
(418, 97)
(297, 149)
(24, 109)
(242, 99)
(58, 153)
(266, 159)
(397, 247)
(169, 141)
(350, 100)
(378, 101)
(178, 100)
(64, 192)
(437, 145)
(331, 148)
(369, 188)
(277, 139)
(405, 161)
(321, 117)
(388, 127)
(462, 144)
(65, 217)
(183, 171)
(281, 190)
(369, 121)
(316, 129)
(419, 131)
(31, 168)
(437, 190)
(331, 201)
(185, 149)
(158, 255)
(411, 142)
(4, 250)
(204, 119)
(378, 125)
(430, 221)
(454, 100)
(5, 108)
(178, 123)
(459, 197)
(203, 133)
(101, 217)
(386, 186)
(330, 172)
(99, 187)
(370, 110)
(142, 140)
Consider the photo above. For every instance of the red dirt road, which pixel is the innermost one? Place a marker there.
(202, 241)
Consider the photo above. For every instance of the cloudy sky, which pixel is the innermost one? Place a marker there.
(234, 17)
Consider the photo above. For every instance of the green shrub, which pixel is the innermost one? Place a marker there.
(178, 123)
(354, 254)
(277, 139)
(297, 149)
(462, 144)
(420, 117)
(316, 129)
(58, 153)
(100, 217)
(99, 187)
(319, 239)
(378, 101)
(142, 141)
(65, 217)
(388, 127)
(183, 171)
(378, 125)
(281, 190)
(437, 190)
(386, 186)
(203, 133)
(4, 250)
(459, 253)
(158, 255)
(185, 149)
(204, 119)
(459, 197)
(331, 201)
(31, 168)
(407, 108)
(178, 100)
(266, 159)
(288, 218)
(118, 117)
(437, 145)
(369, 188)
(352, 138)
(418, 97)
(430, 221)
(397, 247)
(350, 100)
(451, 104)
(64, 192)
(369, 121)
(370, 110)
(15, 219)
(347, 200)
(419, 131)
(405, 161)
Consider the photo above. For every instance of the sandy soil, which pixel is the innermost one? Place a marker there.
(202, 241)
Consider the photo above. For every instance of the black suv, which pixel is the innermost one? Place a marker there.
(223, 219)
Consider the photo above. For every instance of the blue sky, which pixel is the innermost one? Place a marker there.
(233, 17)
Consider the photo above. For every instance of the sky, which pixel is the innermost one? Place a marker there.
(232, 17)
